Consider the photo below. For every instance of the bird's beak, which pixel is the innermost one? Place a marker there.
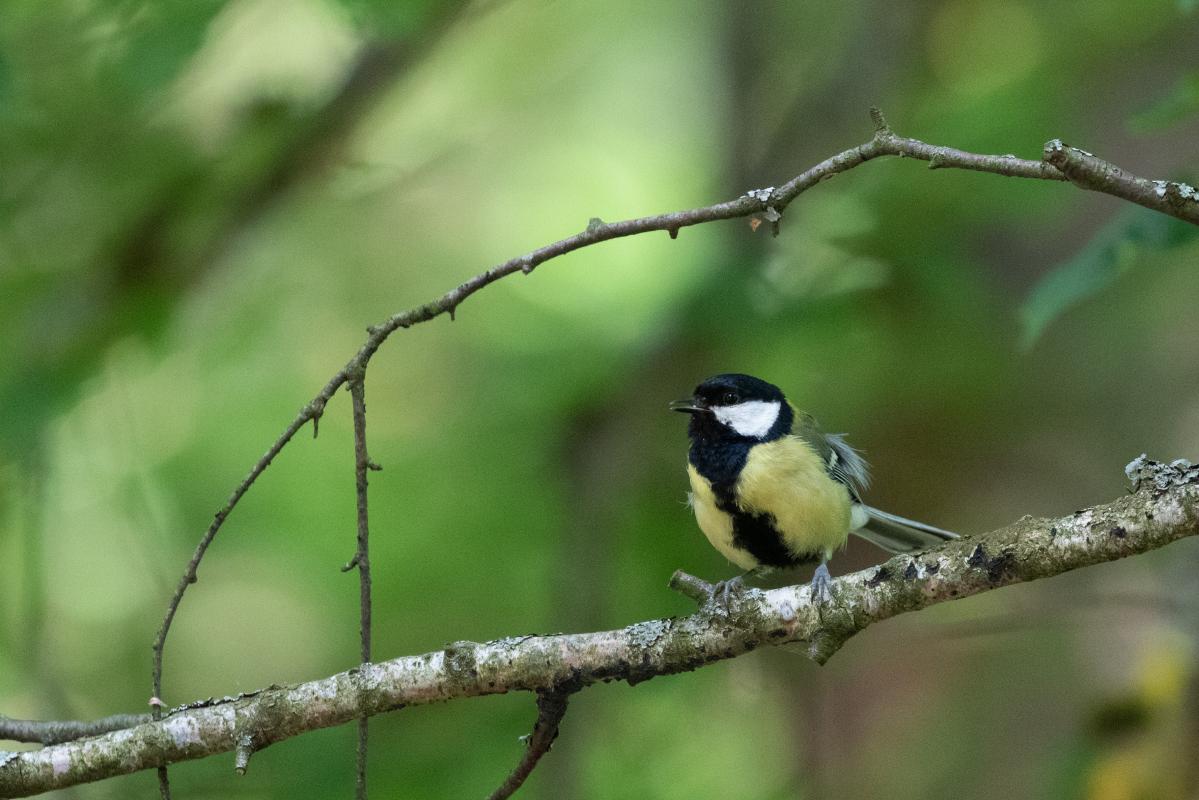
(688, 406)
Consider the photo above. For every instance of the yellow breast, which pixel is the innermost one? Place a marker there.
(716, 525)
(786, 479)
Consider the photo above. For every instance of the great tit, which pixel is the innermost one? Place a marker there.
(770, 489)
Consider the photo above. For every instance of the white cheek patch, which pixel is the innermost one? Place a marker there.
(751, 418)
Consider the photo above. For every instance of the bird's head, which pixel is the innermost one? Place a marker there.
(736, 406)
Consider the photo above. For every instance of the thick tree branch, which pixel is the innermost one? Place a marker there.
(56, 732)
(1163, 508)
(1060, 164)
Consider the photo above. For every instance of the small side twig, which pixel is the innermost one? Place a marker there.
(551, 708)
(688, 585)
(242, 754)
(362, 558)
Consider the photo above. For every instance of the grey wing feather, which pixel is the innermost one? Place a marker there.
(841, 461)
(846, 465)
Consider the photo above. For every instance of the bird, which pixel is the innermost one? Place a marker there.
(770, 490)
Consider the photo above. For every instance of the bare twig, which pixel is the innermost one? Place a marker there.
(551, 708)
(312, 411)
(695, 588)
(1075, 165)
(1163, 509)
(362, 557)
(243, 753)
(376, 66)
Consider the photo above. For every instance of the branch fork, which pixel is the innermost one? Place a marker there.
(1059, 163)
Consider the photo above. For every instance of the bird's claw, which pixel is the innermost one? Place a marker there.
(822, 586)
(723, 592)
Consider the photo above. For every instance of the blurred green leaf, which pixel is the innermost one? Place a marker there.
(387, 19)
(1112, 251)
(160, 38)
(1181, 102)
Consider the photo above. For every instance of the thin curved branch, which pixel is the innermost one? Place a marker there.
(1163, 508)
(1060, 164)
(376, 65)
(551, 708)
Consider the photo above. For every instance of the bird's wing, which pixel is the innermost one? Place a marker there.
(842, 462)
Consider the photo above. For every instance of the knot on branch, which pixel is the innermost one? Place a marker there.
(1143, 472)
(825, 643)
(1054, 153)
(461, 663)
(1177, 194)
(313, 412)
(997, 566)
(1070, 160)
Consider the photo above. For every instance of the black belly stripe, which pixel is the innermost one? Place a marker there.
(721, 463)
(757, 534)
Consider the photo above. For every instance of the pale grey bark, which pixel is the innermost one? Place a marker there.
(1163, 507)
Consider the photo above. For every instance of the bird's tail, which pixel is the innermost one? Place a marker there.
(898, 535)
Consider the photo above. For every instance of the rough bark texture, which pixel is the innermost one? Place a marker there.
(1163, 507)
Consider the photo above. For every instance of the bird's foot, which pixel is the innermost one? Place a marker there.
(822, 585)
(723, 592)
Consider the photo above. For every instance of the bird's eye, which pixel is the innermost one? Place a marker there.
(729, 399)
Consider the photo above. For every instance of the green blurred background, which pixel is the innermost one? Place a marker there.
(204, 204)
